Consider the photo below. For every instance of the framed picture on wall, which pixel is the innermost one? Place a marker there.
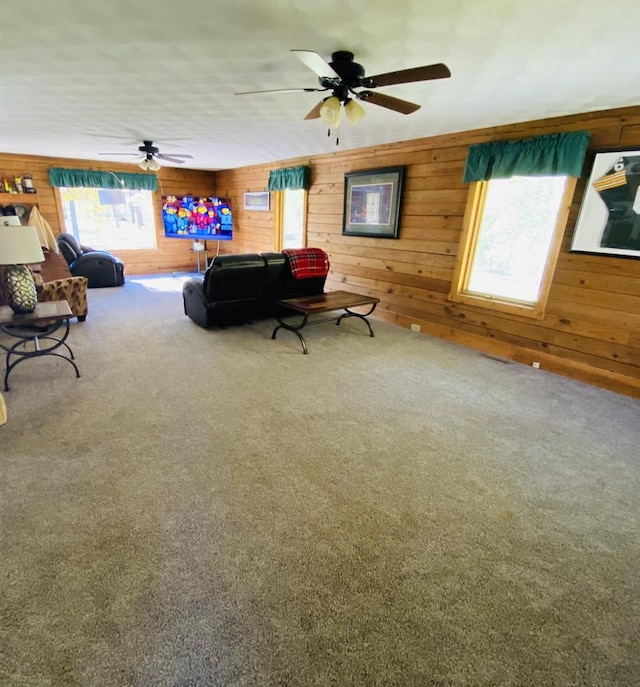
(372, 201)
(609, 219)
(257, 200)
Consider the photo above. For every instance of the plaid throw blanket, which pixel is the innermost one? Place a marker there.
(307, 262)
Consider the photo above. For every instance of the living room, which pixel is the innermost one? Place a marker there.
(590, 328)
(455, 505)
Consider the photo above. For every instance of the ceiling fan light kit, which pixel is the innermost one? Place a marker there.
(149, 164)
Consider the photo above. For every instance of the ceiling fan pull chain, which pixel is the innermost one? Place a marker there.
(337, 137)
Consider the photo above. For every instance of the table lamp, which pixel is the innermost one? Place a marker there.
(19, 247)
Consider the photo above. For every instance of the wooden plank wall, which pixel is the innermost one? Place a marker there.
(169, 255)
(591, 330)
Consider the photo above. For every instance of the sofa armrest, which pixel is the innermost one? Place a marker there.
(100, 268)
(195, 302)
(96, 256)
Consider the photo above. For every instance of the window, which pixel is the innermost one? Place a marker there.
(290, 219)
(514, 237)
(290, 185)
(516, 213)
(510, 243)
(108, 218)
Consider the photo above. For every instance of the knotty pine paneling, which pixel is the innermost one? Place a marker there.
(591, 330)
(253, 230)
(169, 255)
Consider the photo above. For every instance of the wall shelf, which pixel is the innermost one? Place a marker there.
(9, 198)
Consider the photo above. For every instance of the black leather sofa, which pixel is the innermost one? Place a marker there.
(243, 287)
(100, 267)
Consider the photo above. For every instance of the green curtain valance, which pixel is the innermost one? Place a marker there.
(551, 155)
(294, 178)
(58, 176)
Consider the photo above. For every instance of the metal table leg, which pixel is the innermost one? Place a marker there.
(362, 316)
(25, 336)
(293, 328)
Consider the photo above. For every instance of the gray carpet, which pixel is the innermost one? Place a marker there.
(215, 508)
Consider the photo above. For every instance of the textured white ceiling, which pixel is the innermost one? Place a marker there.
(81, 77)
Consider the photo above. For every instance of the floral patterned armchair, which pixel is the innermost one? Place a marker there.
(70, 289)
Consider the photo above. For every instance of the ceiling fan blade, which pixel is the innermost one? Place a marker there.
(174, 158)
(186, 156)
(316, 63)
(432, 71)
(315, 113)
(128, 154)
(283, 90)
(127, 140)
(403, 106)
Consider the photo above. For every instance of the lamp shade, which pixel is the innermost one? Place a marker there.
(149, 164)
(330, 111)
(354, 111)
(19, 246)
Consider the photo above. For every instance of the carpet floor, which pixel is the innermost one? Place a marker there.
(213, 508)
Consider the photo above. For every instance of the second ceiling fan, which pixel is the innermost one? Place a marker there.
(344, 78)
(149, 155)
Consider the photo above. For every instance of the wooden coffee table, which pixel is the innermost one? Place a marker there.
(317, 305)
(35, 333)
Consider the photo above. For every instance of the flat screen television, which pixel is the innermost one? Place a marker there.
(197, 218)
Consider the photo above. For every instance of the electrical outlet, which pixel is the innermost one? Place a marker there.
(415, 327)
(535, 364)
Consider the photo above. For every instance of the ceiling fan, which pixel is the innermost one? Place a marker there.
(342, 76)
(150, 154)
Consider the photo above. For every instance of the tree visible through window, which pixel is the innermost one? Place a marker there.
(511, 240)
(110, 219)
(292, 230)
(515, 236)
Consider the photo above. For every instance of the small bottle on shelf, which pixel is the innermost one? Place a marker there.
(18, 184)
(7, 186)
(27, 183)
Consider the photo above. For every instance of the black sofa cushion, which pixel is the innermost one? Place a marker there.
(235, 277)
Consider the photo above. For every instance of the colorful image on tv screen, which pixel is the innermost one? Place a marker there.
(197, 217)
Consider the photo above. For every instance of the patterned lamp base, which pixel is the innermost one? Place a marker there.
(20, 289)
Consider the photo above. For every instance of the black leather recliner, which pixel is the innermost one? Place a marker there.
(243, 287)
(100, 267)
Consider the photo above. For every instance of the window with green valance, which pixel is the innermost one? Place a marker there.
(294, 178)
(87, 178)
(550, 155)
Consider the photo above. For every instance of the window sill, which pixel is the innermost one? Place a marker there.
(534, 311)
